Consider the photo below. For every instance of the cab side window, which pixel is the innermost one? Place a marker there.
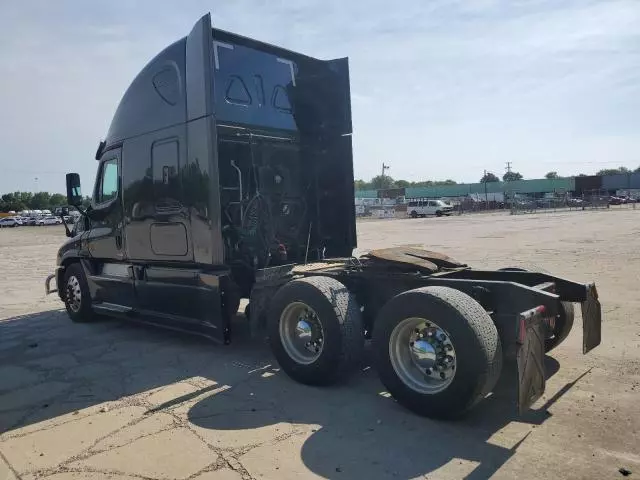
(107, 187)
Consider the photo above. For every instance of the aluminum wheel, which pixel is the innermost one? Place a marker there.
(74, 294)
(422, 355)
(301, 333)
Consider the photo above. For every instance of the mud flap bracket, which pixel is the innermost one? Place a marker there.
(530, 357)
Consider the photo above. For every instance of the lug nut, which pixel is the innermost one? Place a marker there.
(442, 375)
(429, 371)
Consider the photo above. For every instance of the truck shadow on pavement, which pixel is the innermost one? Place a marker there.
(357, 431)
(236, 399)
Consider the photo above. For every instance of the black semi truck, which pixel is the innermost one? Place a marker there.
(227, 173)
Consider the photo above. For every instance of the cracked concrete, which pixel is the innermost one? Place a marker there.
(111, 400)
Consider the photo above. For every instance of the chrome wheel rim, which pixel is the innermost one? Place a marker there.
(74, 294)
(422, 355)
(301, 333)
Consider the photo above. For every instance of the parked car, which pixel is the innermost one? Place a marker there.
(422, 208)
(8, 222)
(49, 220)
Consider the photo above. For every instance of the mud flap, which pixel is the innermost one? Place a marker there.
(591, 320)
(530, 357)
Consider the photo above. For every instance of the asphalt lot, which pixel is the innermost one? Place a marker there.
(120, 401)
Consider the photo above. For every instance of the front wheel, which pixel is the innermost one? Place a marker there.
(438, 213)
(437, 351)
(77, 298)
(414, 214)
(316, 330)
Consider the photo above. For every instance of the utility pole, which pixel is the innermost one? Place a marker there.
(508, 168)
(384, 167)
(486, 196)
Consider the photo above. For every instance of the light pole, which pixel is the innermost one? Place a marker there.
(486, 195)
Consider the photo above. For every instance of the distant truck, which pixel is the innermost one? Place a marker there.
(227, 173)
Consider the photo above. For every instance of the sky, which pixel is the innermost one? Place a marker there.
(440, 88)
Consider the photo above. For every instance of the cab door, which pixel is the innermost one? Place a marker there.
(110, 278)
(105, 238)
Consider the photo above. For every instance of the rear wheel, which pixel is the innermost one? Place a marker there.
(77, 298)
(562, 324)
(316, 330)
(561, 328)
(437, 351)
(414, 214)
(439, 213)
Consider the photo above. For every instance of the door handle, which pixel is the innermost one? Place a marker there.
(118, 241)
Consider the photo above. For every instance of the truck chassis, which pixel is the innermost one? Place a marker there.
(519, 311)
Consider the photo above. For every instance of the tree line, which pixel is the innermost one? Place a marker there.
(381, 182)
(18, 201)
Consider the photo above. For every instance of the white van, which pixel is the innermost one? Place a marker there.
(422, 208)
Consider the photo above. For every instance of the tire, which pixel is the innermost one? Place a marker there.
(472, 334)
(564, 320)
(438, 213)
(78, 312)
(562, 328)
(414, 214)
(332, 307)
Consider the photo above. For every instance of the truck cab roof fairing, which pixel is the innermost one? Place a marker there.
(155, 99)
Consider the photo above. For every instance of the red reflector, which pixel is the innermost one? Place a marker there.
(522, 330)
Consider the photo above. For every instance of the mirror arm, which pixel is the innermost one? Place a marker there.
(84, 213)
(66, 227)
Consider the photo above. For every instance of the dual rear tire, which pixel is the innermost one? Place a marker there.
(315, 330)
(436, 349)
(563, 323)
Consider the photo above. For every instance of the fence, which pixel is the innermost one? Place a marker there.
(597, 199)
